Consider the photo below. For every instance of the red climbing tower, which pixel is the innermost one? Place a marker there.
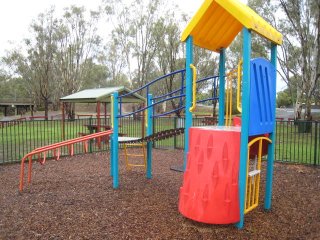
(210, 186)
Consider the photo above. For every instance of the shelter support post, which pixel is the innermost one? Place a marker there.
(105, 113)
(188, 114)
(222, 69)
(63, 121)
(268, 194)
(245, 122)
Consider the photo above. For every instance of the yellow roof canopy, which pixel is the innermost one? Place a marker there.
(218, 22)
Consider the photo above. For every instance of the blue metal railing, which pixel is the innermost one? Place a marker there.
(181, 71)
(171, 95)
(152, 82)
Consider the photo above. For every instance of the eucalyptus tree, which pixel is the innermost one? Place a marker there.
(299, 56)
(135, 26)
(36, 66)
(77, 45)
(116, 64)
(302, 25)
(169, 57)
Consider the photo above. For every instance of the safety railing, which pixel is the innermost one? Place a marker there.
(253, 175)
(42, 152)
(177, 93)
(147, 87)
(239, 78)
(229, 91)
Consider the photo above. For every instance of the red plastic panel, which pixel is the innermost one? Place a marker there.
(210, 185)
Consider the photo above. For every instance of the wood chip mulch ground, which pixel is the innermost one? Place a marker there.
(74, 199)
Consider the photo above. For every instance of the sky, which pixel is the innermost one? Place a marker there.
(16, 15)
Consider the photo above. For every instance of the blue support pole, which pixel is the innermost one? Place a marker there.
(115, 143)
(111, 158)
(268, 194)
(149, 132)
(245, 122)
(188, 114)
(222, 69)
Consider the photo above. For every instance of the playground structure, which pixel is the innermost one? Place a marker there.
(222, 173)
(229, 186)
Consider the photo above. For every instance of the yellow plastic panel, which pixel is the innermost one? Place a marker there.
(218, 22)
(251, 20)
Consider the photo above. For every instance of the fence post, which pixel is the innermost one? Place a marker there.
(90, 141)
(315, 143)
(155, 120)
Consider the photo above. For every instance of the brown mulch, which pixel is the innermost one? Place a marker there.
(74, 199)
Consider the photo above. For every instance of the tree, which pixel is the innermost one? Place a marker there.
(41, 52)
(284, 98)
(94, 75)
(36, 69)
(303, 22)
(135, 33)
(169, 58)
(299, 22)
(78, 44)
(116, 63)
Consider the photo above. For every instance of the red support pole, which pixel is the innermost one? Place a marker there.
(98, 116)
(105, 113)
(29, 169)
(62, 121)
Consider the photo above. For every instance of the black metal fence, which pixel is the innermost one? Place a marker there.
(296, 142)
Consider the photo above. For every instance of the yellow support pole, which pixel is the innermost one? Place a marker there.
(239, 85)
(253, 182)
(230, 76)
(194, 88)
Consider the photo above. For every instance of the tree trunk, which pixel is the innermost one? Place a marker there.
(46, 108)
(307, 112)
(298, 106)
(69, 107)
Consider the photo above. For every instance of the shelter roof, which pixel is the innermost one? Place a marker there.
(218, 22)
(102, 95)
(16, 102)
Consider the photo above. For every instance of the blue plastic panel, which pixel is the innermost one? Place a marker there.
(262, 96)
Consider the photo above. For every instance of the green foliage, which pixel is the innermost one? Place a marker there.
(60, 56)
(284, 99)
